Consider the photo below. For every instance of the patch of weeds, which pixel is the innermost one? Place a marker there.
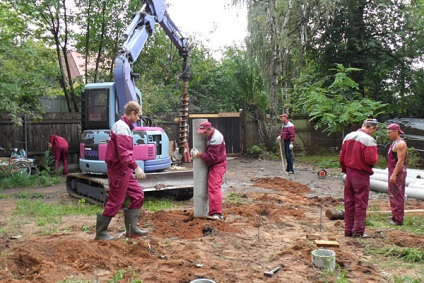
(322, 161)
(254, 151)
(259, 151)
(86, 228)
(40, 179)
(337, 276)
(121, 274)
(27, 195)
(329, 163)
(236, 198)
(3, 196)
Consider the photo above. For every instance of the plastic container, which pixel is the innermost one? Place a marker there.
(324, 259)
(202, 280)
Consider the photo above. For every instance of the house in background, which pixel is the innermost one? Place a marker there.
(77, 67)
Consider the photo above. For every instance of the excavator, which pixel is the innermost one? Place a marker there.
(102, 104)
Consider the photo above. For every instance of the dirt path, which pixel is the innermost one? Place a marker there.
(267, 217)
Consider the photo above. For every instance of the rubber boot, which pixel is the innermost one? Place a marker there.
(131, 217)
(101, 227)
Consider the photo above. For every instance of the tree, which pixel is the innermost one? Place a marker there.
(52, 16)
(26, 69)
(335, 106)
(382, 38)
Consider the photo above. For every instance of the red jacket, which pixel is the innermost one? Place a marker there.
(58, 142)
(359, 152)
(119, 151)
(287, 131)
(216, 151)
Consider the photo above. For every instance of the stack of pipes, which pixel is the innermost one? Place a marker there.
(414, 182)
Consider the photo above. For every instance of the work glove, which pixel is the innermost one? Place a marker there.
(291, 146)
(139, 173)
(193, 152)
(278, 138)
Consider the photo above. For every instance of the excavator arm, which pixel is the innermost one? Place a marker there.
(153, 12)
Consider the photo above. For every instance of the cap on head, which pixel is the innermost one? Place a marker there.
(204, 126)
(394, 127)
(284, 115)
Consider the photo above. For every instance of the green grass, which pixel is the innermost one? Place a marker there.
(46, 213)
(328, 160)
(331, 160)
(155, 203)
(412, 224)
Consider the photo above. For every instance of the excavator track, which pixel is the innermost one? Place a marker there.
(95, 188)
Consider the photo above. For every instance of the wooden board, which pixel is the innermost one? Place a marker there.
(323, 243)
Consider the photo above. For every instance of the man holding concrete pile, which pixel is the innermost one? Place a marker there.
(358, 155)
(215, 157)
(396, 165)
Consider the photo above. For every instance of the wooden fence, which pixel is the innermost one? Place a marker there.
(239, 131)
(34, 135)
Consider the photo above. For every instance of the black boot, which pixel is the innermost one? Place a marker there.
(131, 217)
(101, 227)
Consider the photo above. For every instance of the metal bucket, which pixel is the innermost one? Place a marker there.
(202, 280)
(324, 259)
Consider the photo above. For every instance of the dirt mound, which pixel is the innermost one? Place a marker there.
(266, 223)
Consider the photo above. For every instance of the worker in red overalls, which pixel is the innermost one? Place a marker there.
(215, 157)
(59, 147)
(358, 155)
(396, 165)
(120, 165)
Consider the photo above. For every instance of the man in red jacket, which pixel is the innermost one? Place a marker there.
(59, 147)
(358, 155)
(120, 165)
(216, 158)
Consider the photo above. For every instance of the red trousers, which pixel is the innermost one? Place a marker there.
(61, 154)
(121, 184)
(397, 196)
(356, 196)
(215, 175)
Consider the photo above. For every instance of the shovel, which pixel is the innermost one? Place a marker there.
(282, 157)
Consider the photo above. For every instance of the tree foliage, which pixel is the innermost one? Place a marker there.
(335, 106)
(50, 21)
(26, 69)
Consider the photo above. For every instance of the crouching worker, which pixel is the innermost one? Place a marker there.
(59, 146)
(120, 165)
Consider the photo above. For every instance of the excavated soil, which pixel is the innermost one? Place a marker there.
(268, 216)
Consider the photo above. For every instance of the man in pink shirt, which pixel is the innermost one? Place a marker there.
(216, 158)
(358, 156)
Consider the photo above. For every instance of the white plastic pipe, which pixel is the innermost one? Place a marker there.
(414, 173)
(382, 187)
(384, 177)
